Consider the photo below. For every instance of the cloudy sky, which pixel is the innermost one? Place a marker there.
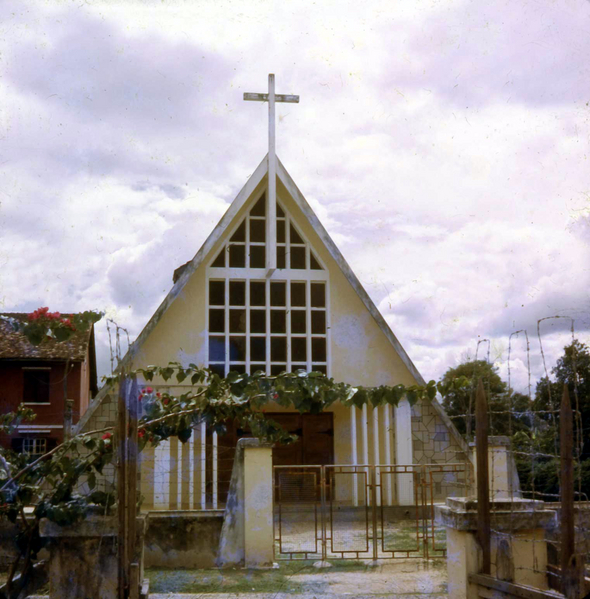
(444, 145)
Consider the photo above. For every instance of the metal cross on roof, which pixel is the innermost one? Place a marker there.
(271, 196)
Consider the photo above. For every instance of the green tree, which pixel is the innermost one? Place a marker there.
(540, 470)
(508, 411)
(572, 369)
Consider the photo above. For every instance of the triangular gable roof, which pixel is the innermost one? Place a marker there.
(242, 197)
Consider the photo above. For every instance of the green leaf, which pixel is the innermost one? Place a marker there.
(431, 391)
(166, 373)
(62, 333)
(185, 434)
(35, 334)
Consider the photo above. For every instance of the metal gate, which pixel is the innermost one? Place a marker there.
(348, 511)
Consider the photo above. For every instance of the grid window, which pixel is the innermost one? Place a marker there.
(259, 323)
(247, 245)
(287, 333)
(34, 446)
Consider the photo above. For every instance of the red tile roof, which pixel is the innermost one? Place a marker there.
(15, 345)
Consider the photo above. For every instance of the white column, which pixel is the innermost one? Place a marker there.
(214, 458)
(191, 472)
(354, 455)
(365, 437)
(195, 466)
(162, 476)
(179, 474)
(403, 451)
(203, 443)
(376, 453)
(387, 460)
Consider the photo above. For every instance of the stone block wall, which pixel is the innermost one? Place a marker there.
(433, 443)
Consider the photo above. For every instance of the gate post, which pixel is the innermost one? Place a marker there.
(258, 505)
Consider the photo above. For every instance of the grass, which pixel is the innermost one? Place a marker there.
(402, 537)
(240, 580)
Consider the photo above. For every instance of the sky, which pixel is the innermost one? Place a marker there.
(444, 145)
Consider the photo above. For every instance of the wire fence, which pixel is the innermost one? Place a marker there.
(530, 423)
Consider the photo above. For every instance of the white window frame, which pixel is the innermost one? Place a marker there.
(38, 444)
(286, 275)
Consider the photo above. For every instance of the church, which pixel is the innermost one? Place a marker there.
(269, 290)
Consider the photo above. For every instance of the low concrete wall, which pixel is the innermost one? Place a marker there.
(182, 539)
(83, 557)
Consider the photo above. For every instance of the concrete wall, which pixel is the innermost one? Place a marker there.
(182, 539)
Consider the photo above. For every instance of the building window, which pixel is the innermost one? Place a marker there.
(30, 445)
(247, 245)
(36, 385)
(271, 324)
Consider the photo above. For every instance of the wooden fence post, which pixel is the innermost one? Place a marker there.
(131, 482)
(122, 486)
(571, 575)
(127, 452)
(483, 482)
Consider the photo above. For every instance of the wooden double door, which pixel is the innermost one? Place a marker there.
(314, 445)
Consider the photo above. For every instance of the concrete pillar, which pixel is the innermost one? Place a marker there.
(403, 451)
(517, 543)
(258, 506)
(504, 482)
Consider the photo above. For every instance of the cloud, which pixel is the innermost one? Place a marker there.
(443, 145)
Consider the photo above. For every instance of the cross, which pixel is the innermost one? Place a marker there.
(271, 196)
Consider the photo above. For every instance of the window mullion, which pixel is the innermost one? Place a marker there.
(288, 324)
(308, 323)
(226, 325)
(267, 314)
(328, 329)
(247, 308)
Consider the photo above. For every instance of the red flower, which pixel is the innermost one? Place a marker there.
(141, 433)
(149, 390)
(43, 311)
(140, 396)
(158, 395)
(106, 436)
(275, 396)
(166, 401)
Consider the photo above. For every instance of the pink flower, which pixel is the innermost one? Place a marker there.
(107, 437)
(149, 390)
